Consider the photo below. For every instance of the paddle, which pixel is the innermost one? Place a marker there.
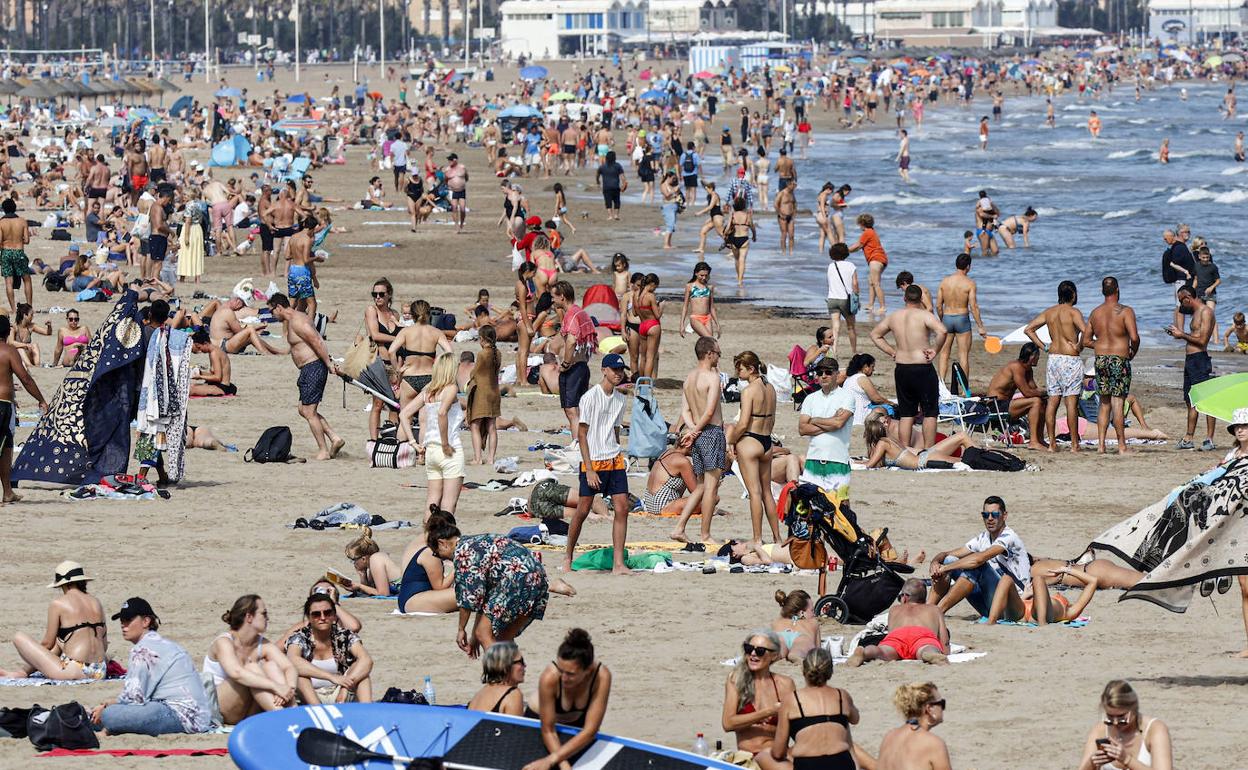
(321, 747)
(992, 345)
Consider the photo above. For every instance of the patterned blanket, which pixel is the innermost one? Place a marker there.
(1197, 533)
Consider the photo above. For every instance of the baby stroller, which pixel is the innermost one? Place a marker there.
(869, 584)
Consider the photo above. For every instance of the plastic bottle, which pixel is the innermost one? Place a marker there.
(699, 746)
(429, 693)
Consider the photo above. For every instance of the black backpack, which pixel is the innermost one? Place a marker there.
(689, 166)
(54, 282)
(992, 460)
(67, 726)
(273, 446)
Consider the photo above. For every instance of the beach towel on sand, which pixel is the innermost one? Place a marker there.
(1195, 533)
(156, 753)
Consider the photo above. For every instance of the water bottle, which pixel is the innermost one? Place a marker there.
(700, 747)
(429, 694)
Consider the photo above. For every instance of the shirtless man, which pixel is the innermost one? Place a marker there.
(903, 157)
(550, 141)
(264, 213)
(137, 168)
(916, 631)
(283, 221)
(786, 210)
(1197, 366)
(702, 413)
(156, 159)
(216, 380)
(228, 333)
(1063, 376)
(457, 183)
(96, 183)
(918, 385)
(175, 164)
(956, 303)
(158, 241)
(1019, 375)
(11, 366)
(14, 265)
(786, 172)
(301, 279)
(312, 359)
(1115, 340)
(567, 148)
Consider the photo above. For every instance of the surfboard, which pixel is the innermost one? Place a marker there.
(466, 738)
(1019, 335)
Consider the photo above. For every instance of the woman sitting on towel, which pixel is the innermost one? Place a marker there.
(378, 574)
(797, 627)
(573, 690)
(75, 640)
(428, 585)
(251, 674)
(1124, 740)
(885, 452)
(502, 673)
(817, 719)
(330, 660)
(752, 697)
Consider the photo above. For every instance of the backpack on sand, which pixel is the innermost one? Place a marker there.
(992, 460)
(273, 446)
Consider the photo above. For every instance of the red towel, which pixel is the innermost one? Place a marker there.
(206, 752)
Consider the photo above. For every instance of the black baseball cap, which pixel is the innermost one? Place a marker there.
(134, 607)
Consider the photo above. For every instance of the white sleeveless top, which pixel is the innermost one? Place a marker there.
(1145, 755)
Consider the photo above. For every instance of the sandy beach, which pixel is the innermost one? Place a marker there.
(224, 532)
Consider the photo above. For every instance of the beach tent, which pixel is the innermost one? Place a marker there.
(183, 104)
(232, 151)
(534, 72)
(520, 111)
(602, 305)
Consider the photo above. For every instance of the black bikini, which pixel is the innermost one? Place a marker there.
(765, 441)
(63, 634)
(842, 760)
(510, 690)
(561, 714)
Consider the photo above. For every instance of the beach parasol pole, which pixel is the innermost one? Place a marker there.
(381, 26)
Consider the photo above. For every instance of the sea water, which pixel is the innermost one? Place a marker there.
(1103, 204)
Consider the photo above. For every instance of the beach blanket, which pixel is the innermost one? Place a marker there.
(65, 447)
(163, 394)
(38, 681)
(1195, 533)
(1078, 622)
(155, 753)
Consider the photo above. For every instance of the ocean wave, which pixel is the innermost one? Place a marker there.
(1234, 170)
(1202, 154)
(1068, 144)
(1194, 194)
(1140, 121)
(1119, 214)
(1136, 153)
(1234, 196)
(900, 199)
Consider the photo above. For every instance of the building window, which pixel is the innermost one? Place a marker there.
(901, 16)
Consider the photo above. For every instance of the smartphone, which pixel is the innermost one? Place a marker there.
(1102, 741)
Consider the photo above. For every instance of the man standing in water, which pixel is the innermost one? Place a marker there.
(1115, 340)
(903, 157)
(918, 385)
(1063, 377)
(1197, 366)
(786, 210)
(11, 366)
(457, 183)
(955, 305)
(308, 352)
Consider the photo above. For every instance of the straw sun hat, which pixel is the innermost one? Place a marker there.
(1239, 417)
(68, 572)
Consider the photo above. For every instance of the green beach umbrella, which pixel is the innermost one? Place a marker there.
(563, 96)
(1221, 396)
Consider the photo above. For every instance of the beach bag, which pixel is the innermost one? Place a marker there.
(13, 721)
(54, 282)
(273, 446)
(389, 453)
(688, 164)
(732, 391)
(67, 726)
(808, 554)
(855, 302)
(142, 225)
(647, 433)
(443, 321)
(992, 460)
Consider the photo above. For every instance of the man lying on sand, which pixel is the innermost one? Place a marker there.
(916, 631)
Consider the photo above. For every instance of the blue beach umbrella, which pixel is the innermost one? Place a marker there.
(534, 72)
(296, 98)
(653, 96)
(520, 111)
(1083, 55)
(228, 93)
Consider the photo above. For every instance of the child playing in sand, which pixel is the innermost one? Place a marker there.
(1237, 334)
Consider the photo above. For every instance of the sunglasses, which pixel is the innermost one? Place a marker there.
(71, 318)
(760, 651)
(519, 662)
(1125, 719)
(381, 294)
(825, 373)
(940, 703)
(992, 514)
(319, 614)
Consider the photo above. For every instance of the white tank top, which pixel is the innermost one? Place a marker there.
(430, 433)
(1144, 755)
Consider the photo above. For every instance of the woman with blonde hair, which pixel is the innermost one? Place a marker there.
(817, 718)
(914, 746)
(883, 451)
(1126, 740)
(441, 419)
(751, 436)
(413, 351)
(251, 673)
(502, 673)
(547, 265)
(797, 627)
(378, 574)
(753, 695)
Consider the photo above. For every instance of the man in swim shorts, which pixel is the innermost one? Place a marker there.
(1064, 374)
(703, 413)
(1197, 366)
(918, 386)
(14, 265)
(916, 631)
(1018, 376)
(307, 351)
(956, 303)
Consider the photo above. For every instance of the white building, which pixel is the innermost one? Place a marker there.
(1029, 14)
(682, 18)
(937, 22)
(1175, 21)
(549, 28)
(859, 16)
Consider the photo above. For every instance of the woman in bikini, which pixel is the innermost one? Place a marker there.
(885, 452)
(413, 350)
(515, 208)
(714, 212)
(1086, 573)
(699, 307)
(839, 204)
(502, 673)
(817, 719)
(796, 626)
(1019, 224)
(75, 639)
(750, 435)
(561, 208)
(739, 231)
(573, 690)
(526, 296)
(382, 324)
(23, 329)
(670, 478)
(547, 265)
(71, 340)
(251, 674)
(823, 202)
(650, 311)
(753, 694)
(632, 323)
(913, 744)
(378, 574)
(761, 165)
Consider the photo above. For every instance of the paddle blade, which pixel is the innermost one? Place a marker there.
(992, 345)
(321, 747)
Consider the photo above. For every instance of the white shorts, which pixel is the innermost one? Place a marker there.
(439, 466)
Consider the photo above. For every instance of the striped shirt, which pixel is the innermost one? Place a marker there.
(602, 413)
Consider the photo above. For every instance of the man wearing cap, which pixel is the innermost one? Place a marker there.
(533, 228)
(603, 470)
(457, 183)
(163, 693)
(828, 418)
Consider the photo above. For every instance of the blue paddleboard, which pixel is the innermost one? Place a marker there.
(464, 738)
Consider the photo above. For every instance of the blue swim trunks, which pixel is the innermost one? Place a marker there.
(299, 282)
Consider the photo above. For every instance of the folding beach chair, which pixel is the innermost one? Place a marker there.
(804, 382)
(298, 168)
